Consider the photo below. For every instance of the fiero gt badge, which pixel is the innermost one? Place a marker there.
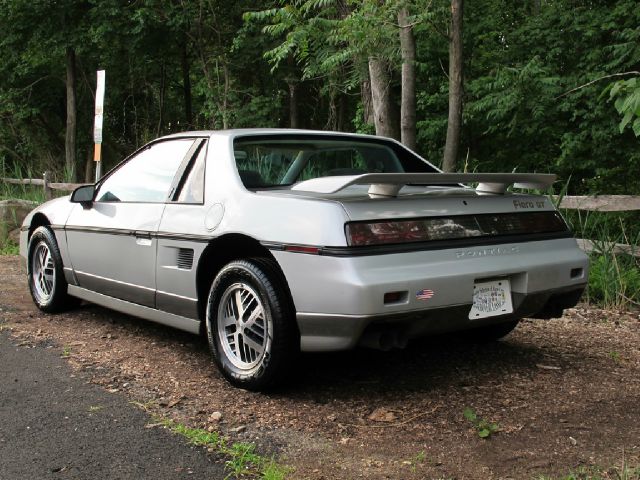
(425, 294)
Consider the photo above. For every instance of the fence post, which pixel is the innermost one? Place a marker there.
(48, 194)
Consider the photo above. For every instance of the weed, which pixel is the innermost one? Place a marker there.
(615, 356)
(484, 428)
(274, 471)
(66, 351)
(10, 248)
(243, 457)
(146, 406)
(418, 459)
(242, 461)
(95, 408)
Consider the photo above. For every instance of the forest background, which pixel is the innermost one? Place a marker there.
(499, 85)
(486, 85)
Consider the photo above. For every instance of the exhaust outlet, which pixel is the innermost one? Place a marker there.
(383, 340)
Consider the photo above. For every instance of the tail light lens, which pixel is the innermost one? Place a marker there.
(452, 228)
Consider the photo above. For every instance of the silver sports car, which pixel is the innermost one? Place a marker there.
(270, 242)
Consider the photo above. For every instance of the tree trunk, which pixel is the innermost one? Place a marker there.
(88, 168)
(186, 85)
(455, 88)
(408, 102)
(161, 94)
(70, 138)
(293, 104)
(367, 102)
(381, 95)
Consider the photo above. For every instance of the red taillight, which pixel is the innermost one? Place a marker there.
(452, 228)
(386, 232)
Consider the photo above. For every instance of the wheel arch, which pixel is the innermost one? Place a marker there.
(219, 252)
(39, 220)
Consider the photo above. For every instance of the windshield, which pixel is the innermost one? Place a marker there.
(277, 161)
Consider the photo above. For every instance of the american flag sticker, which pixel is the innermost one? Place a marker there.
(425, 294)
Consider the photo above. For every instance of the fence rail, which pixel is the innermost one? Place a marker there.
(601, 203)
(46, 183)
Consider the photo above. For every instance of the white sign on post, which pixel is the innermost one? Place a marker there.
(97, 124)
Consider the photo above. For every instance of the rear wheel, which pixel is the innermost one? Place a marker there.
(250, 324)
(46, 280)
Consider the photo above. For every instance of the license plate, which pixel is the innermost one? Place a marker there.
(491, 298)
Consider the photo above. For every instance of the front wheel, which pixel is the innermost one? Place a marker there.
(47, 284)
(250, 324)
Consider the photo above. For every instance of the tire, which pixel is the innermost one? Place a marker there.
(45, 273)
(491, 333)
(254, 348)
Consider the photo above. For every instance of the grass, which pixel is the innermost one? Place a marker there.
(10, 248)
(24, 192)
(596, 473)
(242, 459)
(614, 278)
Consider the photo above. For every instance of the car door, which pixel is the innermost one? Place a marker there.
(182, 238)
(112, 243)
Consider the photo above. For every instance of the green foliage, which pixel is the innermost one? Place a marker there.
(9, 248)
(242, 459)
(484, 428)
(614, 278)
(239, 62)
(627, 102)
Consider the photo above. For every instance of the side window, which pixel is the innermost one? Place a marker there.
(147, 177)
(192, 190)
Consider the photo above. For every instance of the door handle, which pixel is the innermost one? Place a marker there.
(143, 238)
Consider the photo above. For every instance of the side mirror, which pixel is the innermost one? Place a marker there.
(84, 195)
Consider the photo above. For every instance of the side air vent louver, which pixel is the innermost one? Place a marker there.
(185, 258)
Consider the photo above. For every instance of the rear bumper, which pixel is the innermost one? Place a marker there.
(322, 332)
(338, 298)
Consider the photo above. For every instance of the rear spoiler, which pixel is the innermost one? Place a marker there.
(389, 184)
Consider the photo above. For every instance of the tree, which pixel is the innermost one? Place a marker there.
(408, 102)
(70, 137)
(454, 125)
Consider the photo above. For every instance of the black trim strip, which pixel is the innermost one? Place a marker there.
(108, 231)
(140, 233)
(425, 246)
(183, 236)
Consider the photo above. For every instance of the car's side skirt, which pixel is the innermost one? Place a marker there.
(147, 313)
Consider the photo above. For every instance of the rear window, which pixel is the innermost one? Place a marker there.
(264, 162)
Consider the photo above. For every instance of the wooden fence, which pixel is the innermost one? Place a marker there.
(597, 203)
(46, 183)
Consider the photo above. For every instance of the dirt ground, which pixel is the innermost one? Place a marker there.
(565, 394)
